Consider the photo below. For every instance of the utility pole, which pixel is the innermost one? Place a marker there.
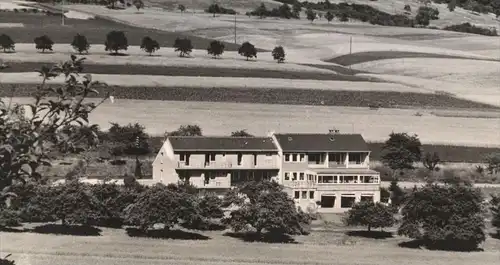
(62, 12)
(234, 28)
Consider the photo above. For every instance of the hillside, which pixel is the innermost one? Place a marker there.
(203, 4)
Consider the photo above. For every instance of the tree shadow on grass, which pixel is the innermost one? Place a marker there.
(205, 226)
(73, 230)
(166, 234)
(370, 234)
(444, 245)
(117, 54)
(266, 237)
(13, 230)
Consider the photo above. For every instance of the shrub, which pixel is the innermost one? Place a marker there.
(115, 41)
(216, 9)
(149, 45)
(80, 44)
(495, 212)
(371, 215)
(216, 48)
(6, 43)
(114, 199)
(278, 54)
(5, 261)
(183, 46)
(425, 15)
(43, 43)
(248, 50)
(469, 28)
(445, 217)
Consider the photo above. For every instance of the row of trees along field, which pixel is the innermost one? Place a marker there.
(25, 141)
(117, 41)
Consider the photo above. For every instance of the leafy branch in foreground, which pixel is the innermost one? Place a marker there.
(28, 132)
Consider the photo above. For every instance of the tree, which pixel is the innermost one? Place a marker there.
(214, 9)
(7, 43)
(160, 205)
(267, 209)
(130, 139)
(445, 217)
(311, 15)
(451, 5)
(329, 16)
(115, 41)
(5, 261)
(43, 43)
(401, 151)
(138, 4)
(261, 11)
(371, 215)
(407, 8)
(184, 46)
(397, 194)
(344, 17)
(493, 161)
(296, 8)
(495, 212)
(241, 133)
(181, 8)
(149, 45)
(216, 48)
(248, 50)
(431, 161)
(80, 44)
(186, 130)
(425, 15)
(285, 11)
(27, 140)
(279, 54)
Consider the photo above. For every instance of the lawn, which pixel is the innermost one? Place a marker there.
(114, 246)
(94, 29)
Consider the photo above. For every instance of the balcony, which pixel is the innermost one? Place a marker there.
(271, 164)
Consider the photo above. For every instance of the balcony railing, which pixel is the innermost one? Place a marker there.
(228, 165)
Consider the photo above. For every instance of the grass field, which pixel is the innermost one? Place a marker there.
(114, 246)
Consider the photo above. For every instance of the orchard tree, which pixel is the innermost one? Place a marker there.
(214, 9)
(138, 4)
(310, 14)
(278, 54)
(407, 8)
(183, 46)
(371, 215)
(248, 50)
(261, 11)
(445, 217)
(181, 8)
(431, 161)
(43, 43)
(344, 17)
(161, 205)
(296, 8)
(149, 45)
(495, 212)
(28, 133)
(241, 133)
(216, 48)
(401, 151)
(115, 41)
(267, 208)
(397, 194)
(186, 130)
(329, 16)
(80, 44)
(6, 43)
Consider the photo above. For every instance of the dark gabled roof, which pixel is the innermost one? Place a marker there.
(293, 142)
(213, 143)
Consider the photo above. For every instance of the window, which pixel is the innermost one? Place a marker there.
(315, 159)
(347, 200)
(254, 159)
(327, 201)
(311, 194)
(212, 157)
(355, 158)
(304, 194)
(287, 175)
(348, 179)
(287, 157)
(182, 157)
(301, 176)
(367, 198)
(325, 179)
(297, 194)
(338, 158)
(302, 158)
(240, 157)
(294, 158)
(294, 174)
